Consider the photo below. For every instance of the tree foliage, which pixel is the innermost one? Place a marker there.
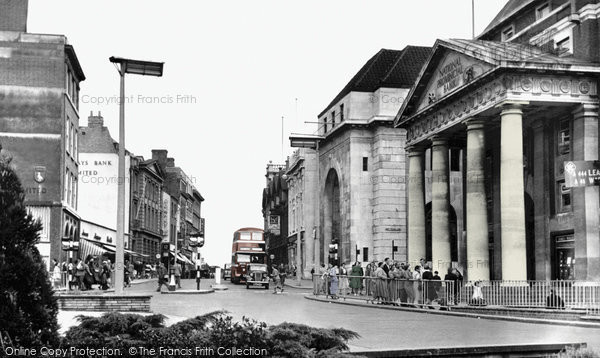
(28, 308)
(213, 330)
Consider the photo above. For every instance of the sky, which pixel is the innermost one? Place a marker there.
(232, 70)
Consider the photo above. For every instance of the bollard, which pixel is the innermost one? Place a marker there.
(218, 275)
(198, 278)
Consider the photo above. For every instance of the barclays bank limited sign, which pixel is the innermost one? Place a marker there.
(582, 173)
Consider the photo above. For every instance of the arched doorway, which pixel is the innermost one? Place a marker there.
(332, 240)
(453, 234)
(530, 236)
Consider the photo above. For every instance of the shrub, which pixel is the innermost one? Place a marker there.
(213, 330)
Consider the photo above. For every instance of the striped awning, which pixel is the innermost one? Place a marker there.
(88, 247)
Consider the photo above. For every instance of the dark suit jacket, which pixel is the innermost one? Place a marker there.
(386, 269)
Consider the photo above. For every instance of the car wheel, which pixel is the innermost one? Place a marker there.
(267, 286)
(247, 286)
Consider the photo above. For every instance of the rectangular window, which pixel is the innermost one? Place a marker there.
(341, 112)
(325, 124)
(365, 164)
(563, 46)
(332, 119)
(365, 254)
(508, 32)
(67, 135)
(542, 11)
(564, 196)
(564, 137)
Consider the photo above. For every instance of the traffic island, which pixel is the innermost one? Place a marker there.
(218, 287)
(188, 292)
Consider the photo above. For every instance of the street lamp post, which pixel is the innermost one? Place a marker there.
(137, 67)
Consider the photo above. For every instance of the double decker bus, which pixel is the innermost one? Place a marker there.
(248, 248)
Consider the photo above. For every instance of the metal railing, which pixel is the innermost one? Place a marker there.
(399, 292)
(556, 294)
(581, 296)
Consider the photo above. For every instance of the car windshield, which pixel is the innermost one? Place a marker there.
(257, 268)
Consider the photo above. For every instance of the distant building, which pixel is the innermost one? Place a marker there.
(303, 211)
(186, 198)
(146, 206)
(275, 214)
(39, 124)
(98, 183)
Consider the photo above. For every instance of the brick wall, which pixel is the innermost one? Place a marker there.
(108, 303)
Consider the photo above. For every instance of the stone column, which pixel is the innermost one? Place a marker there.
(585, 200)
(440, 205)
(416, 206)
(478, 261)
(512, 193)
(541, 200)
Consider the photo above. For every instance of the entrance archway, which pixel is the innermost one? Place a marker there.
(333, 242)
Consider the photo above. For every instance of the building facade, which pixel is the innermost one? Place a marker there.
(39, 124)
(147, 210)
(186, 199)
(362, 204)
(275, 214)
(521, 104)
(302, 182)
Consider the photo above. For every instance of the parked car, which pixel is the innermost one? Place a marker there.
(227, 272)
(257, 275)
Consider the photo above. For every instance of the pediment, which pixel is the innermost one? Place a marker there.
(452, 71)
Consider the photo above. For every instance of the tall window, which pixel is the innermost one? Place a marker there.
(325, 124)
(563, 47)
(564, 137)
(564, 196)
(365, 164)
(67, 134)
(341, 112)
(542, 11)
(332, 119)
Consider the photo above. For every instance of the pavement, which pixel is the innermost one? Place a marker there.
(379, 329)
(304, 284)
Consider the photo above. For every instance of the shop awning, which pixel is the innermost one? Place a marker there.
(88, 247)
(182, 258)
(113, 249)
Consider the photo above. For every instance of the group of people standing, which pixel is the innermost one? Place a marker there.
(83, 274)
(388, 282)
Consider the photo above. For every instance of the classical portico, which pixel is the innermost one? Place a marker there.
(516, 115)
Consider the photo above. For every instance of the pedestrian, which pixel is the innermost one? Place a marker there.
(163, 276)
(282, 275)
(104, 275)
(56, 275)
(177, 269)
(553, 301)
(333, 281)
(373, 279)
(380, 293)
(322, 280)
(343, 280)
(71, 274)
(417, 285)
(403, 279)
(454, 286)
(88, 278)
(80, 274)
(477, 299)
(276, 277)
(126, 274)
(409, 285)
(428, 284)
(356, 274)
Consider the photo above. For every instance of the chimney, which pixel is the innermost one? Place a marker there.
(13, 15)
(170, 162)
(160, 155)
(95, 121)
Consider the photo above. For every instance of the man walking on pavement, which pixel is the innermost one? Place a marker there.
(162, 276)
(276, 279)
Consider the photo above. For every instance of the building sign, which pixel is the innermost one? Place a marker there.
(202, 227)
(582, 173)
(453, 71)
(274, 224)
(166, 215)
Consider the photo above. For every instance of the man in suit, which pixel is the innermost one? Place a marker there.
(386, 266)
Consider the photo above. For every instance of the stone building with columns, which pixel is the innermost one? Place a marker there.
(517, 103)
(361, 169)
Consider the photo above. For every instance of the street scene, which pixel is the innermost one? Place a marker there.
(315, 179)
